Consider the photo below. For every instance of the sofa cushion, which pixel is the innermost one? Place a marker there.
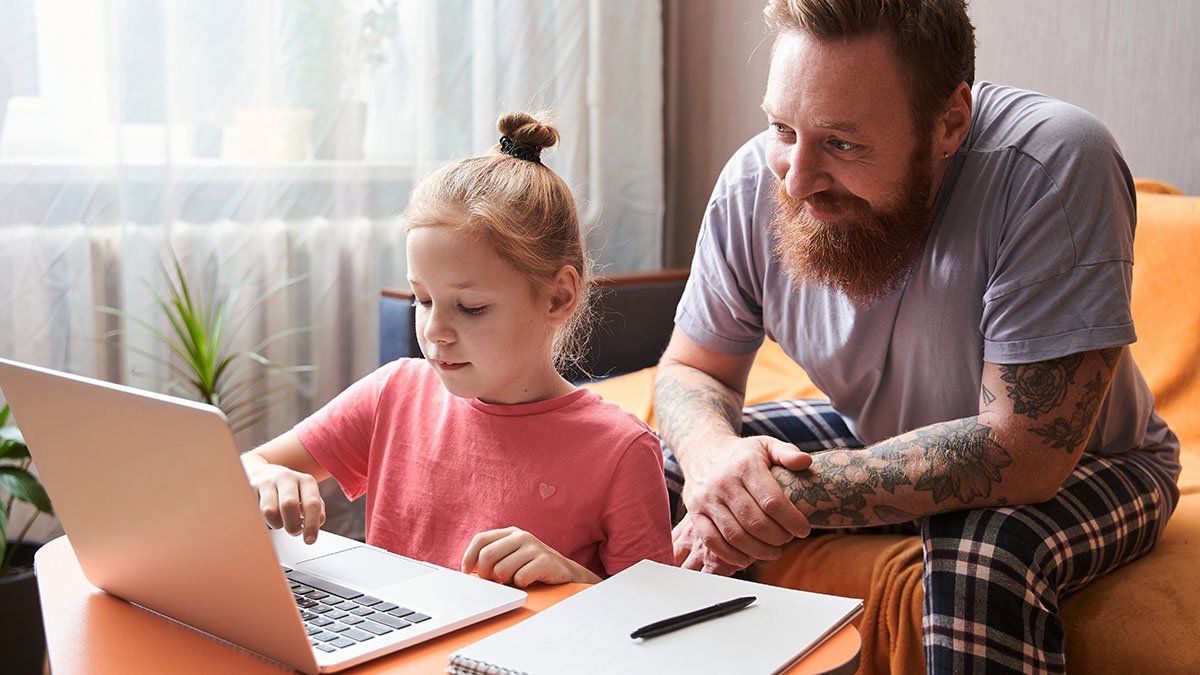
(1146, 613)
(1166, 313)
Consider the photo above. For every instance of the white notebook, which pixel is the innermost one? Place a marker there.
(589, 631)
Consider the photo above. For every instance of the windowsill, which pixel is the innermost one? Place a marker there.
(59, 170)
(66, 190)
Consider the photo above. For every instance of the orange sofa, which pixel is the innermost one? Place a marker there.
(1144, 617)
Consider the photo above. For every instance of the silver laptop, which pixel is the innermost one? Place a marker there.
(154, 501)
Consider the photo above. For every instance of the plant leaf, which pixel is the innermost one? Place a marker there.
(25, 487)
(3, 539)
(200, 325)
(280, 335)
(13, 448)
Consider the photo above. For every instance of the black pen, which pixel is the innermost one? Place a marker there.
(704, 614)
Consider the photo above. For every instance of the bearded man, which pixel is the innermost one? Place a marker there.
(950, 262)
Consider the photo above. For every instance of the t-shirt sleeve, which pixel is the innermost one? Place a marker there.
(721, 306)
(636, 518)
(339, 435)
(1064, 259)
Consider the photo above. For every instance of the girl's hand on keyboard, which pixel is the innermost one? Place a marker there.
(288, 499)
(512, 555)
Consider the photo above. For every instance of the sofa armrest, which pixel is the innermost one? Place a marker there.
(635, 314)
(397, 325)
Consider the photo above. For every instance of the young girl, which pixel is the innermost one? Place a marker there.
(481, 455)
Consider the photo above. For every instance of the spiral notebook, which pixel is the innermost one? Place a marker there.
(589, 631)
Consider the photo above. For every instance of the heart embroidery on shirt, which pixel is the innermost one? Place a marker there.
(546, 489)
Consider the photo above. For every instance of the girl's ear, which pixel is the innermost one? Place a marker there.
(564, 293)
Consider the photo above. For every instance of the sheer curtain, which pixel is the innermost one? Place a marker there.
(270, 147)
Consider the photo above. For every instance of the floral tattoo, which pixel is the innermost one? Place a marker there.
(953, 460)
(1068, 434)
(1038, 388)
(961, 460)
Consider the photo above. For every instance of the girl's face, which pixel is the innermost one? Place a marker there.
(484, 328)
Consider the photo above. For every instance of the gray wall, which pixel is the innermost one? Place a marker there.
(1134, 64)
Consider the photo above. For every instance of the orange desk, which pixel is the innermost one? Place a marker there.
(89, 631)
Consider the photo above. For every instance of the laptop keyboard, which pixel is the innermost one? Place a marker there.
(337, 617)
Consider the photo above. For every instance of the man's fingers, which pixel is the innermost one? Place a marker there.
(717, 567)
(778, 509)
(702, 560)
(708, 537)
(681, 540)
(693, 561)
(787, 455)
(734, 535)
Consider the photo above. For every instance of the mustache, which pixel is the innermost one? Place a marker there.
(855, 209)
(827, 199)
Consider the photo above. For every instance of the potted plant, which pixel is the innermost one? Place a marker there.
(22, 642)
(330, 52)
(205, 367)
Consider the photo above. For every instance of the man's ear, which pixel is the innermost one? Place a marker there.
(564, 293)
(954, 123)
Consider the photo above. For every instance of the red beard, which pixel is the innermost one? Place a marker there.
(868, 253)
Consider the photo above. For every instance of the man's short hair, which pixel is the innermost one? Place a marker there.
(934, 40)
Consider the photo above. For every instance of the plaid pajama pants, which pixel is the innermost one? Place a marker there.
(993, 577)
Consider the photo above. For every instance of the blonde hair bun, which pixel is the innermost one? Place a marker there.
(527, 131)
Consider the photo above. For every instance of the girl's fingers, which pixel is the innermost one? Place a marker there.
(313, 509)
(471, 557)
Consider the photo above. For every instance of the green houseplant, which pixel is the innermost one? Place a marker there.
(22, 642)
(202, 363)
(17, 484)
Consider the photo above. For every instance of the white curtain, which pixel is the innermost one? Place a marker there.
(271, 145)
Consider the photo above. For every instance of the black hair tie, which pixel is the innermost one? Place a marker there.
(519, 151)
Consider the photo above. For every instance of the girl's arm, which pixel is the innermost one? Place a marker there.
(286, 475)
(514, 555)
(636, 519)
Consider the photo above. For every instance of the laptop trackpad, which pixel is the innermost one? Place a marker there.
(365, 567)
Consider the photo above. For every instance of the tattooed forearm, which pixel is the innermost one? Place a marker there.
(962, 460)
(996, 458)
(837, 488)
(954, 462)
(686, 408)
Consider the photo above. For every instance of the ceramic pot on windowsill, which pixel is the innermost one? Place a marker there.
(274, 134)
(337, 130)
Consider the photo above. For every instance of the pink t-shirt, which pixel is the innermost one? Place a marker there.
(580, 474)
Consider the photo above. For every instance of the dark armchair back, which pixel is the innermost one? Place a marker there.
(635, 314)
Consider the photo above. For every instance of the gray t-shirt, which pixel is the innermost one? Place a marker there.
(1029, 258)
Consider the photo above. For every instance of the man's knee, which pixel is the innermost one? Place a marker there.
(986, 538)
